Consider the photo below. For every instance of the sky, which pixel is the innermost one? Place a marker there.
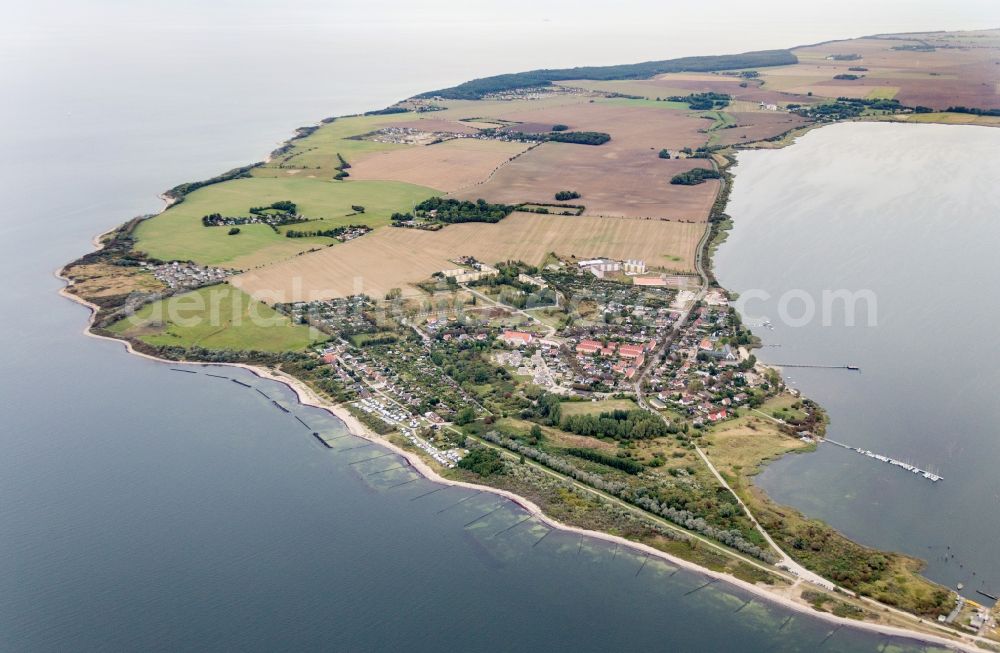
(601, 29)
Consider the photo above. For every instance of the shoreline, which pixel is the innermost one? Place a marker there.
(307, 397)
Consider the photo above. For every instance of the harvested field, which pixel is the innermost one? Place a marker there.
(952, 69)
(397, 258)
(757, 125)
(446, 166)
(623, 177)
(630, 127)
(632, 183)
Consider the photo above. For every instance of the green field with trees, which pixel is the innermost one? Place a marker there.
(218, 317)
(178, 234)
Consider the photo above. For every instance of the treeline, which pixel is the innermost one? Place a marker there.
(387, 111)
(285, 206)
(564, 195)
(342, 168)
(974, 111)
(638, 497)
(617, 424)
(454, 211)
(627, 465)
(178, 192)
(336, 232)
(694, 177)
(477, 88)
(703, 101)
(580, 138)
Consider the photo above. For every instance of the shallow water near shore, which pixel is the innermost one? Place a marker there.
(149, 509)
(908, 214)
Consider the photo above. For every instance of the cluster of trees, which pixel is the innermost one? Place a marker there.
(626, 465)
(730, 537)
(560, 127)
(273, 221)
(387, 111)
(234, 230)
(847, 76)
(285, 206)
(694, 177)
(617, 424)
(453, 211)
(559, 136)
(464, 363)
(564, 195)
(336, 232)
(477, 88)
(703, 101)
(845, 57)
(664, 153)
(580, 138)
(484, 461)
(636, 496)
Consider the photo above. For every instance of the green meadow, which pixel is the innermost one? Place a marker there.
(216, 317)
(634, 102)
(317, 153)
(178, 234)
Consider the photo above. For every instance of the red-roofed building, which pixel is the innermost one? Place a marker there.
(329, 357)
(517, 338)
(588, 347)
(631, 351)
(717, 415)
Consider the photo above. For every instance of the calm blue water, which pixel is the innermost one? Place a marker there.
(906, 214)
(147, 509)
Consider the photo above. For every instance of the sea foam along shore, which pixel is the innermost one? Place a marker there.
(307, 397)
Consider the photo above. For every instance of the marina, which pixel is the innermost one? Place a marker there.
(930, 476)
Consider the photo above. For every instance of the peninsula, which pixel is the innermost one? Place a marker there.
(510, 282)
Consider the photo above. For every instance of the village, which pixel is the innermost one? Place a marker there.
(178, 275)
(610, 330)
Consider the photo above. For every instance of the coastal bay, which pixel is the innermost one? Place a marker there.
(809, 218)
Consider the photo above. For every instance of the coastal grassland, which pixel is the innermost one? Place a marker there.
(574, 505)
(316, 154)
(400, 258)
(595, 407)
(740, 447)
(950, 118)
(882, 93)
(649, 89)
(645, 102)
(178, 234)
(214, 317)
(103, 281)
